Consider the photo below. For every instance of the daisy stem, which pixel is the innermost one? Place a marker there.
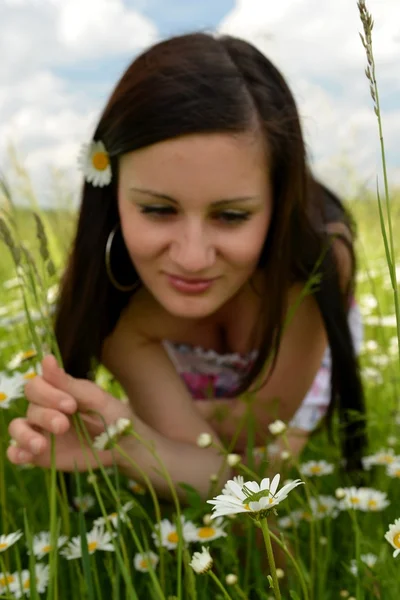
(271, 560)
(219, 584)
(356, 529)
(295, 564)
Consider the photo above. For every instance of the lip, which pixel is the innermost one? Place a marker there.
(189, 286)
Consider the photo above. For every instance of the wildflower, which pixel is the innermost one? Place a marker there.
(277, 427)
(96, 539)
(231, 579)
(209, 532)
(285, 455)
(393, 536)
(340, 493)
(42, 574)
(316, 467)
(393, 470)
(41, 543)
(373, 500)
(21, 357)
(324, 506)
(136, 487)
(290, 520)
(114, 517)
(84, 503)
(204, 440)
(280, 573)
(382, 457)
(94, 162)
(238, 479)
(213, 478)
(201, 561)
(368, 559)
(391, 440)
(233, 459)
(10, 389)
(32, 372)
(142, 562)
(251, 497)
(169, 535)
(6, 541)
(111, 435)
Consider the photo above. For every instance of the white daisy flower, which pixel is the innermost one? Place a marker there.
(231, 579)
(97, 539)
(21, 357)
(115, 516)
(42, 575)
(209, 531)
(233, 459)
(201, 561)
(277, 427)
(142, 562)
(373, 500)
(324, 506)
(228, 489)
(135, 487)
(111, 435)
(382, 457)
(352, 497)
(94, 162)
(41, 543)
(316, 468)
(393, 470)
(291, 520)
(10, 389)
(251, 497)
(84, 503)
(393, 536)
(6, 541)
(8, 581)
(32, 372)
(169, 533)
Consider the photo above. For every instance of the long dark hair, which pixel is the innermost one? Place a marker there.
(198, 83)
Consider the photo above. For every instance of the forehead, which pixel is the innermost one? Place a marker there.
(206, 163)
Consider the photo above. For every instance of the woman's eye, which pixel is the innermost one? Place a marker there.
(233, 216)
(157, 210)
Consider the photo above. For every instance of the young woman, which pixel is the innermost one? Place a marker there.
(200, 225)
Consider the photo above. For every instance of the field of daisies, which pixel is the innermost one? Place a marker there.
(304, 532)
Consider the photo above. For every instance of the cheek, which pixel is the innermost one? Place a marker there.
(246, 247)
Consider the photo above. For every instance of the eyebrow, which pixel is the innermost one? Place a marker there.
(166, 197)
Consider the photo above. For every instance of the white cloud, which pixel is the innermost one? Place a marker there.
(317, 47)
(41, 113)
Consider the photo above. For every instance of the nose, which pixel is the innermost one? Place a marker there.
(192, 251)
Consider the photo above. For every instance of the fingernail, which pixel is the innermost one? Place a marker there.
(67, 405)
(36, 446)
(56, 425)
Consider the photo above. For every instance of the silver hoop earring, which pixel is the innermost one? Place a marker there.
(118, 286)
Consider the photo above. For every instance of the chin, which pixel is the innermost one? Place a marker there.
(191, 308)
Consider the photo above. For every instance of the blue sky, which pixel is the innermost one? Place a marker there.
(61, 59)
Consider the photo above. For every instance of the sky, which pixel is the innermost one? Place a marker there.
(62, 58)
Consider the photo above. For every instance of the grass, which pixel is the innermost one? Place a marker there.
(320, 543)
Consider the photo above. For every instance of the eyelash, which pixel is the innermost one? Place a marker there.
(231, 217)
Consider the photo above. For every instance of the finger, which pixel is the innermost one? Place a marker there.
(26, 437)
(18, 456)
(39, 391)
(88, 395)
(48, 419)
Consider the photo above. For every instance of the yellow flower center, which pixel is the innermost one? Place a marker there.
(396, 540)
(372, 504)
(322, 508)
(100, 161)
(3, 546)
(247, 507)
(354, 500)
(387, 458)
(28, 354)
(46, 549)
(144, 563)
(112, 515)
(315, 469)
(173, 537)
(137, 488)
(27, 584)
(30, 375)
(6, 580)
(206, 532)
(397, 473)
(3, 396)
(92, 546)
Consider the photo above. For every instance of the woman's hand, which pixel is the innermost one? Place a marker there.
(54, 397)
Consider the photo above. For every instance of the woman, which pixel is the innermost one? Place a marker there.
(199, 227)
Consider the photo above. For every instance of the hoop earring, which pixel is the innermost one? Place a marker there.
(118, 286)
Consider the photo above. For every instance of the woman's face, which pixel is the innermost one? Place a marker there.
(195, 208)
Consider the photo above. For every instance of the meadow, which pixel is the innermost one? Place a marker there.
(99, 535)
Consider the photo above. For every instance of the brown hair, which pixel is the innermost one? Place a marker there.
(198, 83)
